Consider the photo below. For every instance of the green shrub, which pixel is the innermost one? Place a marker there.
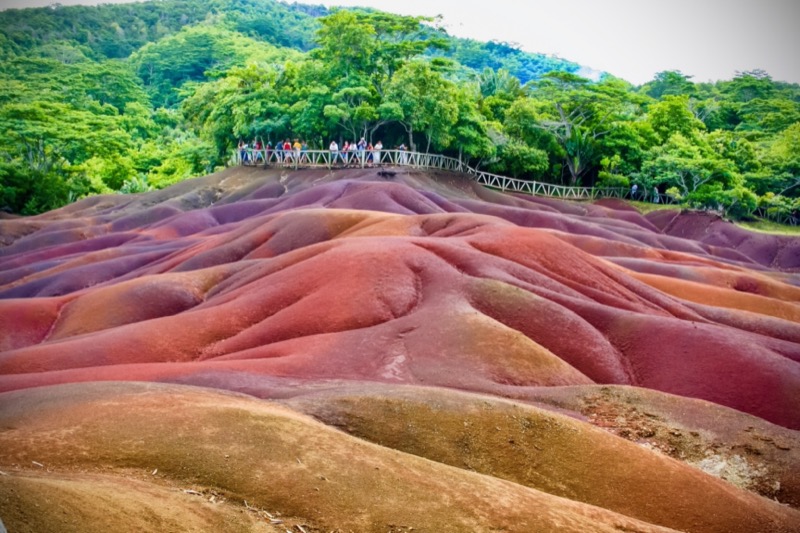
(135, 185)
(737, 202)
(610, 180)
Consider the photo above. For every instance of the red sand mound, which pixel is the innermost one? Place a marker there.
(278, 284)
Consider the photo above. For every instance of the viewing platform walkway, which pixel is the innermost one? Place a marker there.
(402, 158)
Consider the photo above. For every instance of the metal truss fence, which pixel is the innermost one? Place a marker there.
(298, 159)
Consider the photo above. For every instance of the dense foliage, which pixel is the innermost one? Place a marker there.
(126, 97)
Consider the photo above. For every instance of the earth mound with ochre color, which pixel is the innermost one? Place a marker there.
(315, 351)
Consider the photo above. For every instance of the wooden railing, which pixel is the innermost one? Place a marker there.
(401, 158)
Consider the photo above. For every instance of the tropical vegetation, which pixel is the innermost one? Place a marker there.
(129, 97)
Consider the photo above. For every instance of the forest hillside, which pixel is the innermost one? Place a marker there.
(133, 97)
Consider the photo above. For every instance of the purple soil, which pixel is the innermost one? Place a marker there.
(259, 281)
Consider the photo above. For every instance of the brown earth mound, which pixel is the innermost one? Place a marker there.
(369, 301)
(177, 442)
(546, 451)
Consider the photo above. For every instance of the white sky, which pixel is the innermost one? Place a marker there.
(632, 39)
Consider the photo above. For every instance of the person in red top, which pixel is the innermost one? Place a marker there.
(287, 151)
(258, 154)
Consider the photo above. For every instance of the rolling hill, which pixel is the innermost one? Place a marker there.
(360, 350)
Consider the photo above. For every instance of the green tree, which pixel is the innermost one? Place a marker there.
(768, 115)
(361, 52)
(354, 111)
(736, 202)
(499, 82)
(243, 105)
(687, 164)
(749, 85)
(367, 48)
(781, 161)
(578, 114)
(111, 82)
(627, 143)
(519, 159)
(497, 55)
(347, 43)
(470, 132)
(196, 53)
(669, 83)
(498, 91)
(673, 115)
(422, 100)
(45, 150)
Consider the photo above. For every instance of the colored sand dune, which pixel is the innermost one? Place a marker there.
(264, 350)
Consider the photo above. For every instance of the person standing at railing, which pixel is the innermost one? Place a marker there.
(297, 148)
(377, 155)
(352, 152)
(304, 152)
(656, 195)
(242, 152)
(370, 149)
(334, 149)
(403, 154)
(362, 151)
(287, 152)
(259, 153)
(634, 189)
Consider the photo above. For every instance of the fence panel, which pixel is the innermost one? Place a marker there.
(328, 159)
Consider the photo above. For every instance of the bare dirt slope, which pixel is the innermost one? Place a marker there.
(351, 351)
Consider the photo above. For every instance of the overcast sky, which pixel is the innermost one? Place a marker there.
(632, 39)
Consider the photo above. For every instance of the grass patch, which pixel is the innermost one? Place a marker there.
(767, 226)
(647, 207)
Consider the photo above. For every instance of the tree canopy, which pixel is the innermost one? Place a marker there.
(124, 97)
